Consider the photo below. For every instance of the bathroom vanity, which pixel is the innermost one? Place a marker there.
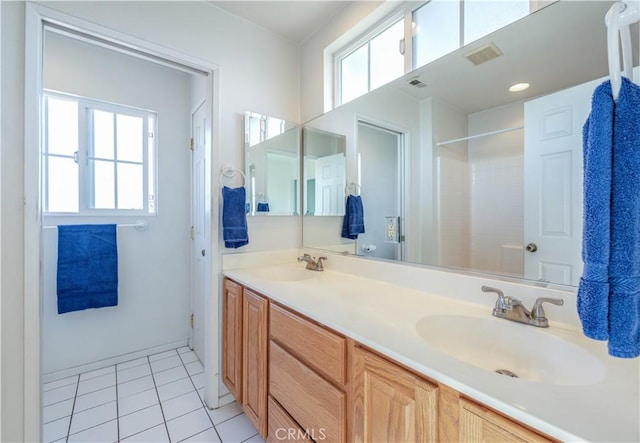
(333, 356)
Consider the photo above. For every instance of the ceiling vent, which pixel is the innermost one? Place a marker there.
(415, 81)
(483, 54)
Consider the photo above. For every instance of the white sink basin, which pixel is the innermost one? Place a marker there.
(284, 274)
(495, 344)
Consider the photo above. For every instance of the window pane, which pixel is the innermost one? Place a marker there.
(482, 17)
(103, 188)
(102, 134)
(129, 138)
(387, 63)
(62, 126)
(62, 185)
(275, 127)
(130, 186)
(436, 30)
(355, 76)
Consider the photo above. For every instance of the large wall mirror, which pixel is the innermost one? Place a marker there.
(271, 165)
(455, 170)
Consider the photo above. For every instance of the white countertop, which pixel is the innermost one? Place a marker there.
(383, 316)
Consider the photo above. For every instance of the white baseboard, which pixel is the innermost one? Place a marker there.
(75, 370)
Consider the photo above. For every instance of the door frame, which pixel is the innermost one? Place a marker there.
(404, 141)
(36, 17)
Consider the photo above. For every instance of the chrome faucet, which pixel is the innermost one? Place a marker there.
(513, 309)
(312, 264)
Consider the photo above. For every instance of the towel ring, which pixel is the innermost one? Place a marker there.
(229, 171)
(352, 186)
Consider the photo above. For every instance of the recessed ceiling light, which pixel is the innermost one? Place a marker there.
(518, 87)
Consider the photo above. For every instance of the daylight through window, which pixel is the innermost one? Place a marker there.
(98, 157)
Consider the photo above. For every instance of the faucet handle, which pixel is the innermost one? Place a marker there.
(304, 257)
(319, 262)
(503, 303)
(537, 311)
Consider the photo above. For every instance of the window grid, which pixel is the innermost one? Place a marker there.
(85, 159)
(340, 56)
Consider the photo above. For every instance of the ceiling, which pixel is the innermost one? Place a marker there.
(294, 20)
(557, 47)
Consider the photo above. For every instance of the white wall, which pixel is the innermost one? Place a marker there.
(258, 70)
(11, 175)
(153, 266)
(497, 171)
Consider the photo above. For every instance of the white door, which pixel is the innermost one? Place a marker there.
(379, 157)
(330, 185)
(200, 254)
(553, 184)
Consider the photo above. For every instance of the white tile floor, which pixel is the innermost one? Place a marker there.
(151, 399)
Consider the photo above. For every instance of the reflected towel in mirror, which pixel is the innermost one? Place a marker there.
(353, 222)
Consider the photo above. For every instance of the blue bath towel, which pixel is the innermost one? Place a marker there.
(234, 217)
(609, 308)
(87, 267)
(353, 222)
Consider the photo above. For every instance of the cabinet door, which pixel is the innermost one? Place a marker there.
(390, 403)
(478, 424)
(254, 356)
(232, 338)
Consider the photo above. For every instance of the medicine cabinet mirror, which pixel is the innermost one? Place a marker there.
(490, 181)
(271, 165)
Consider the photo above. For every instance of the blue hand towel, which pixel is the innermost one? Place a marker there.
(610, 309)
(87, 267)
(593, 291)
(234, 217)
(263, 207)
(353, 221)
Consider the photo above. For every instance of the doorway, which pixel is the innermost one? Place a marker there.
(38, 293)
(380, 169)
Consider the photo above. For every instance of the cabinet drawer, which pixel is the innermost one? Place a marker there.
(282, 427)
(317, 347)
(480, 424)
(313, 402)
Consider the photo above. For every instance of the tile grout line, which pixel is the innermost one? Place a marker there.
(164, 419)
(115, 368)
(72, 408)
(204, 406)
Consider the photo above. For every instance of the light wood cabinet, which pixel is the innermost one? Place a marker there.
(298, 381)
(317, 347)
(315, 404)
(390, 403)
(282, 427)
(479, 424)
(254, 356)
(232, 338)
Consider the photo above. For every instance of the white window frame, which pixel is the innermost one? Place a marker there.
(402, 14)
(405, 10)
(83, 155)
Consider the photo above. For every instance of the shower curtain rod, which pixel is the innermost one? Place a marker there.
(140, 225)
(471, 137)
